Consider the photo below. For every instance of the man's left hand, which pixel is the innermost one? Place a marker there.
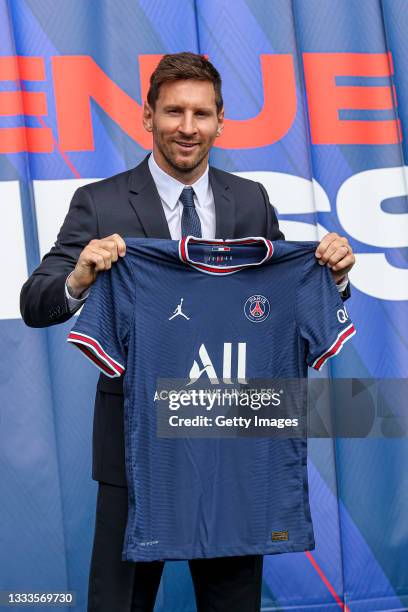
(336, 252)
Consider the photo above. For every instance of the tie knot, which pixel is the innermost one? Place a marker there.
(187, 196)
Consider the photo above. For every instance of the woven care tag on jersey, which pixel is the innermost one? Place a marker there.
(280, 536)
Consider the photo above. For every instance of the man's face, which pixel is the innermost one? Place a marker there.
(184, 124)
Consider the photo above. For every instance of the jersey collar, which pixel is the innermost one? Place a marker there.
(220, 270)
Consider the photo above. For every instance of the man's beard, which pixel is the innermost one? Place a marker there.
(184, 169)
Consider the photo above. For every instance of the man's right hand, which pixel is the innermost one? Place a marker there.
(98, 255)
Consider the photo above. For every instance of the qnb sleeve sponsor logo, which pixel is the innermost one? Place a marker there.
(77, 80)
(342, 315)
(205, 366)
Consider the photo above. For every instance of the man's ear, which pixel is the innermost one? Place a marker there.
(147, 117)
(220, 121)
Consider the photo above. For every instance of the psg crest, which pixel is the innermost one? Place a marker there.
(257, 308)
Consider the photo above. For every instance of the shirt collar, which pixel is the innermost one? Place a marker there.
(170, 188)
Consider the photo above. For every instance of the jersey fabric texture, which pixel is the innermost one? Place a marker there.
(158, 313)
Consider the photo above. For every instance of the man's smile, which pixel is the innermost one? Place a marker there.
(186, 145)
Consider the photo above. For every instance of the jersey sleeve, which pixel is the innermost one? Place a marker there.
(322, 318)
(102, 328)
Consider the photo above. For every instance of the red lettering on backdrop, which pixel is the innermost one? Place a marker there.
(325, 98)
(77, 79)
(30, 103)
(147, 65)
(278, 111)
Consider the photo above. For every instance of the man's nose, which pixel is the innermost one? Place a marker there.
(187, 125)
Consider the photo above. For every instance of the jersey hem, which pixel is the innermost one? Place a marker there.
(183, 554)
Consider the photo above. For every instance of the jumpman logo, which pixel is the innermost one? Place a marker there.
(177, 312)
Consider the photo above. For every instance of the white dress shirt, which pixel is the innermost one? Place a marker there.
(170, 190)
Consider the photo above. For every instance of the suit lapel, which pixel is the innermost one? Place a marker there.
(146, 202)
(224, 206)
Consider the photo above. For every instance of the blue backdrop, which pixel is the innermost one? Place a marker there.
(316, 97)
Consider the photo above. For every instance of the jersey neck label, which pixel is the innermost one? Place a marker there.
(224, 253)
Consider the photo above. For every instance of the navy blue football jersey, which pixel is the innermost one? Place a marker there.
(211, 311)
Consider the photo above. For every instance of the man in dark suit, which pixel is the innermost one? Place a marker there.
(184, 112)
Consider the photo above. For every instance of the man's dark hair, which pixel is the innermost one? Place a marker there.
(181, 66)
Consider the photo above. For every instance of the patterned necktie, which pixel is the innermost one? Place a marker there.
(190, 221)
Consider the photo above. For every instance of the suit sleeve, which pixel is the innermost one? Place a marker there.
(101, 331)
(42, 298)
(321, 316)
(272, 225)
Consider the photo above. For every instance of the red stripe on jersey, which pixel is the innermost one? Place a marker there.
(270, 247)
(336, 346)
(183, 250)
(95, 359)
(98, 349)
